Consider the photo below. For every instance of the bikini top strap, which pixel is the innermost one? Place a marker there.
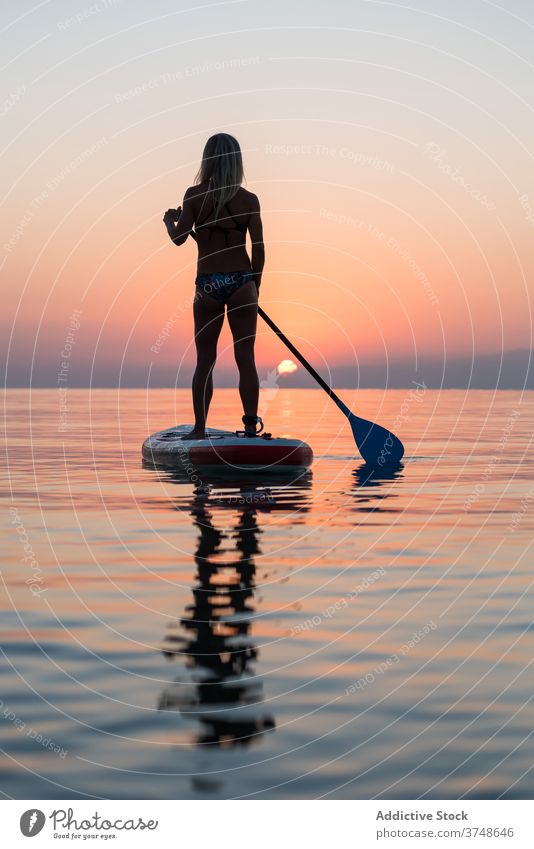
(237, 225)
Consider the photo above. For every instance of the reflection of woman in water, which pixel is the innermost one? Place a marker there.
(222, 212)
(227, 697)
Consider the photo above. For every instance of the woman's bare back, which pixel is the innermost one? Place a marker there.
(222, 242)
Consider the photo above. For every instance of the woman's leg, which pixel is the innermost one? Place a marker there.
(243, 316)
(209, 317)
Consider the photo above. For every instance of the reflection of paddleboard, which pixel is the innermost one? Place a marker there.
(225, 450)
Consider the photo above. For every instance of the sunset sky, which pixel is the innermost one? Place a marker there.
(390, 147)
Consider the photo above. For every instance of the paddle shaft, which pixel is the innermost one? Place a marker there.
(322, 383)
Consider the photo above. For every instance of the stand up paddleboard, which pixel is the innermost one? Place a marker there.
(225, 450)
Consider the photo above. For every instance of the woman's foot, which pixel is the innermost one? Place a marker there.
(195, 434)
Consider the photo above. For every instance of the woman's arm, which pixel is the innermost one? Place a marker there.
(179, 222)
(255, 229)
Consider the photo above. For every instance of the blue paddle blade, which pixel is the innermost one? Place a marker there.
(378, 446)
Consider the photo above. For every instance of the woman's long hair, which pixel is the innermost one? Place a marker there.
(222, 167)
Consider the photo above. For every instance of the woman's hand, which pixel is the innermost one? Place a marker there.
(180, 222)
(172, 215)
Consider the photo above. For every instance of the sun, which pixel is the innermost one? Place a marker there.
(286, 367)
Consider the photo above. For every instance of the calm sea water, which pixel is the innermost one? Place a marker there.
(343, 635)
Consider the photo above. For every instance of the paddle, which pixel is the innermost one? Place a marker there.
(377, 445)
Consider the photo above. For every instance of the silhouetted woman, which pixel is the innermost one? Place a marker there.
(221, 211)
